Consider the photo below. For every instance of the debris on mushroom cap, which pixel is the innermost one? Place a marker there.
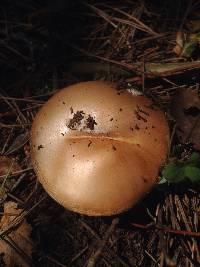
(97, 150)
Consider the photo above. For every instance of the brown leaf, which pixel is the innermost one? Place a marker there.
(8, 165)
(20, 237)
(186, 111)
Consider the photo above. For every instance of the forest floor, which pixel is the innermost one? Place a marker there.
(149, 45)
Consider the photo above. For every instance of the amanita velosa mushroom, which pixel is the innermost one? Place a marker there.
(97, 150)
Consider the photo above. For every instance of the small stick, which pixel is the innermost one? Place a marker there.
(93, 258)
(168, 230)
(79, 254)
(94, 234)
(17, 172)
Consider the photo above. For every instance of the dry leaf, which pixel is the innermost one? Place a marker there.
(8, 165)
(186, 111)
(19, 236)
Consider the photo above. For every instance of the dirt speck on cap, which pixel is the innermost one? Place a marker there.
(145, 180)
(71, 110)
(40, 147)
(142, 111)
(114, 148)
(89, 144)
(90, 122)
(140, 114)
(76, 120)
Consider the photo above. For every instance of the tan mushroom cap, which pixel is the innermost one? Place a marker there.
(97, 150)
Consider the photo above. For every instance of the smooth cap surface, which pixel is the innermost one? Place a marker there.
(97, 150)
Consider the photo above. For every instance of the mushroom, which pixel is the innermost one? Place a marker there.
(97, 150)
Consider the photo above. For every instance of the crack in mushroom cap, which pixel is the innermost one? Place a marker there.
(96, 150)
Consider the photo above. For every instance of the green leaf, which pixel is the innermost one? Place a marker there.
(188, 49)
(195, 158)
(173, 172)
(192, 173)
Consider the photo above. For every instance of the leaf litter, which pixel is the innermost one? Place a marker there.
(16, 246)
(186, 112)
(8, 166)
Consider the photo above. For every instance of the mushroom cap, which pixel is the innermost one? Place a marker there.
(97, 150)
